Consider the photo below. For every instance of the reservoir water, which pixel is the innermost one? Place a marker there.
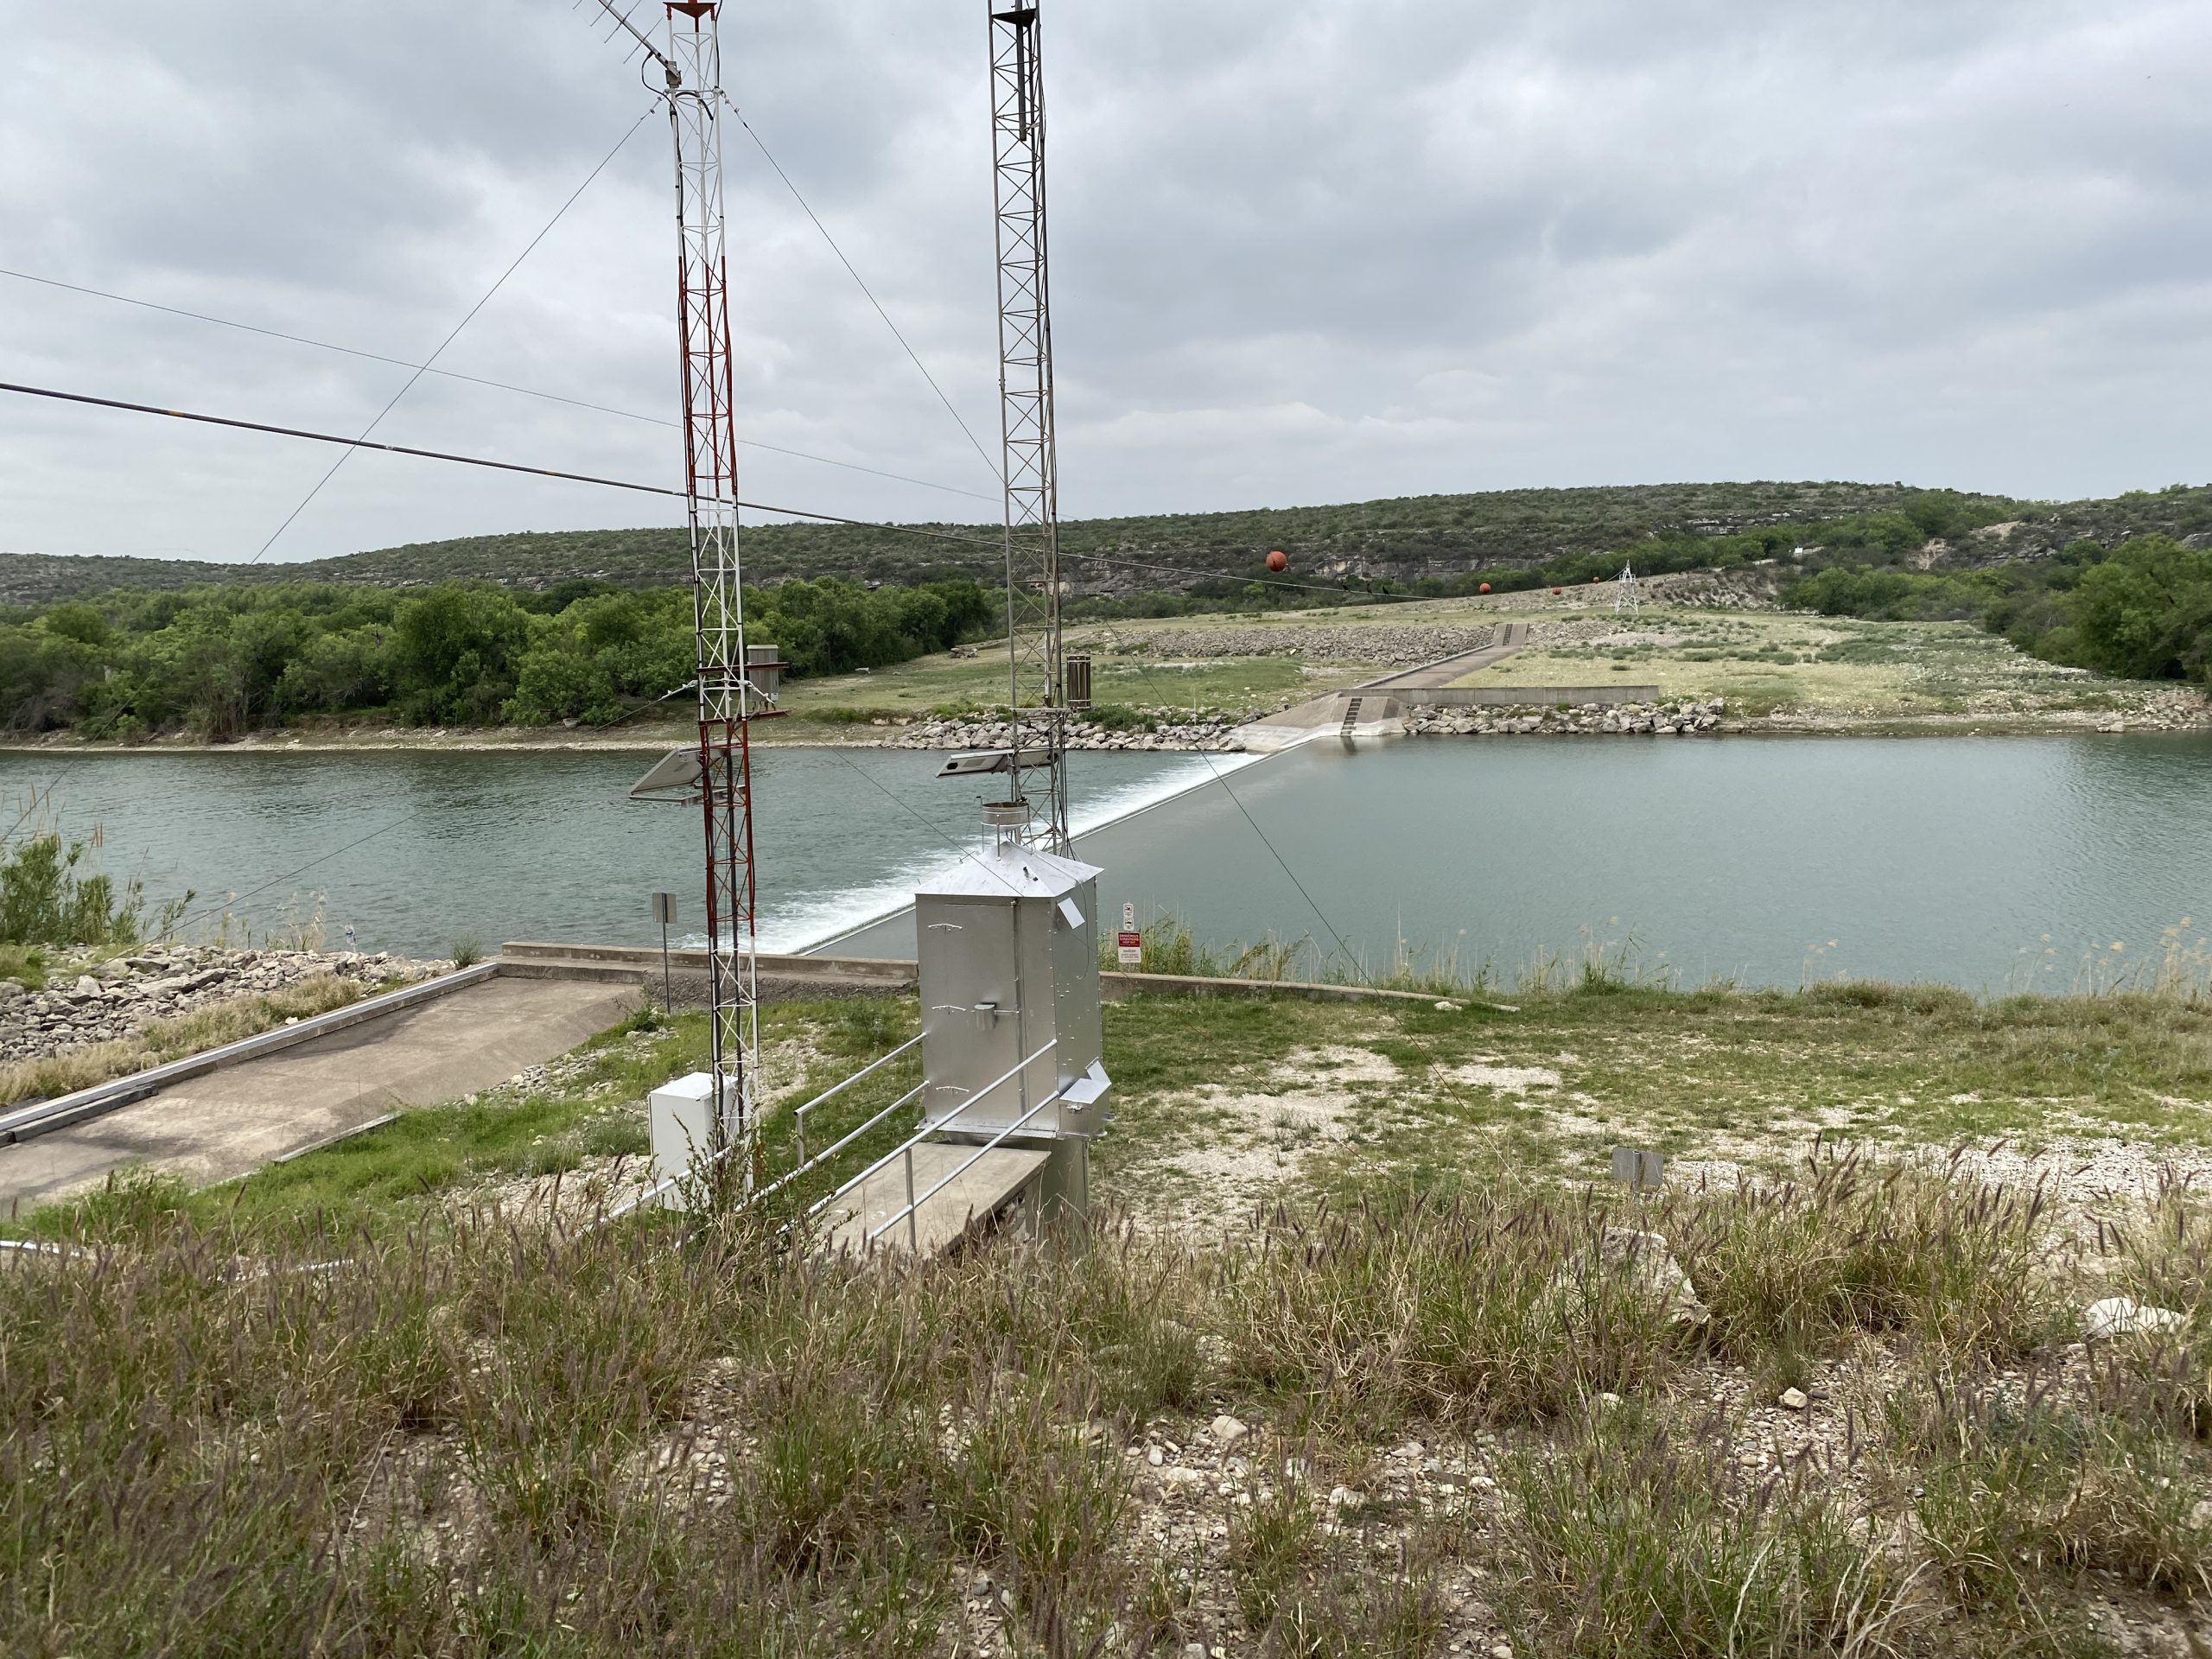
(1988, 862)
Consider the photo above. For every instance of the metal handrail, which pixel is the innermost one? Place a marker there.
(829, 1151)
(799, 1117)
(932, 1129)
(914, 1205)
(905, 1149)
(668, 1184)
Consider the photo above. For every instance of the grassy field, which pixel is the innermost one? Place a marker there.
(1167, 664)
(1242, 1096)
(1365, 1356)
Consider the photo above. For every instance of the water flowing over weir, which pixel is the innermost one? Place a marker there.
(849, 832)
(1930, 858)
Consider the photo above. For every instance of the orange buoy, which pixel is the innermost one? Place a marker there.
(1277, 563)
(1555, 592)
(1483, 589)
(1593, 578)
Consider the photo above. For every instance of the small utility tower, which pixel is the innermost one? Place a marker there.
(719, 778)
(1039, 705)
(1625, 594)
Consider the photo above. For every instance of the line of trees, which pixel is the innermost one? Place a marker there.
(2142, 611)
(220, 662)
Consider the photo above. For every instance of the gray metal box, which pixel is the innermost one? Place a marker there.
(1008, 953)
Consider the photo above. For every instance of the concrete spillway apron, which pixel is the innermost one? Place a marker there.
(1373, 708)
(232, 1109)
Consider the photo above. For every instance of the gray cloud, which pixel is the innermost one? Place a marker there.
(1302, 251)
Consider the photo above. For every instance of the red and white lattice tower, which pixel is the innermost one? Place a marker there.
(1031, 465)
(729, 702)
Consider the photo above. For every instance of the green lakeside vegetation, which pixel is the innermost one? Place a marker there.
(2142, 611)
(220, 662)
(46, 898)
(394, 1397)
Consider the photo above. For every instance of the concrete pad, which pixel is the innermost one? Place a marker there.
(995, 1180)
(230, 1122)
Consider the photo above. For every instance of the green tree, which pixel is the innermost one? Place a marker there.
(455, 653)
(2145, 613)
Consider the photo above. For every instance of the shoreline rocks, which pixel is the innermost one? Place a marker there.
(112, 1000)
(1652, 719)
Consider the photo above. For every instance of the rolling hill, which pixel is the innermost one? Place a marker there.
(1400, 539)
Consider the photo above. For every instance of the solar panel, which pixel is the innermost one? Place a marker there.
(674, 776)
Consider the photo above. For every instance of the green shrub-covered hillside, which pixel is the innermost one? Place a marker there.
(219, 662)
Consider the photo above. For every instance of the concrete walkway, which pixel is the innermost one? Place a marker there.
(230, 1122)
(1378, 701)
(1511, 638)
(989, 1183)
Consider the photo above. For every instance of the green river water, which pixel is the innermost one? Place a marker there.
(1988, 862)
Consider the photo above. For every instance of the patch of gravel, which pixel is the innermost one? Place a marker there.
(1260, 1139)
(2087, 1179)
(1505, 1079)
(1597, 631)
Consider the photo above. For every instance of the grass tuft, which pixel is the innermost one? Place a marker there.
(1637, 1538)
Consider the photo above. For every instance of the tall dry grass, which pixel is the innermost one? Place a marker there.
(483, 1438)
(173, 1038)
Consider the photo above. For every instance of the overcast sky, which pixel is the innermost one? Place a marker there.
(1304, 251)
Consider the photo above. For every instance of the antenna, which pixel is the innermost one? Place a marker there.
(1030, 466)
(1625, 594)
(668, 68)
(729, 699)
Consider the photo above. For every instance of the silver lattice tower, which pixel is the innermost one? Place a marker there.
(1038, 701)
(721, 784)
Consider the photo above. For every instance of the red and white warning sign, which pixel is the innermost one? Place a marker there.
(1132, 942)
